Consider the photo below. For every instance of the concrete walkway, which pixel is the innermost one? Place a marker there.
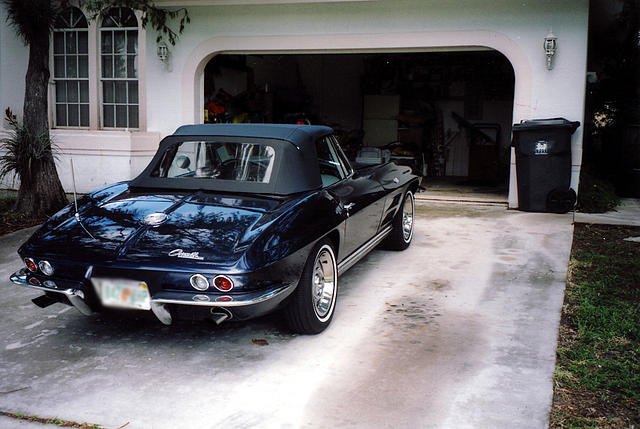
(627, 213)
(458, 331)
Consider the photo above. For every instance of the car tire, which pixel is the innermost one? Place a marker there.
(402, 226)
(312, 304)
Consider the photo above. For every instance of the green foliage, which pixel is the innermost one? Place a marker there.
(159, 17)
(614, 54)
(29, 18)
(602, 304)
(596, 195)
(23, 149)
(6, 204)
(613, 99)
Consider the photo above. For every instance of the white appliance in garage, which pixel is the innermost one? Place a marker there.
(379, 119)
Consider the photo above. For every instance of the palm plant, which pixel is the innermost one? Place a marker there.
(33, 20)
(23, 151)
(29, 147)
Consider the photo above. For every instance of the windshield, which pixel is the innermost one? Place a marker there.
(243, 162)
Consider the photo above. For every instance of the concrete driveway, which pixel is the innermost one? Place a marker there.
(458, 331)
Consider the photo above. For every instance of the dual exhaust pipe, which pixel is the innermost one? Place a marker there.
(77, 299)
(218, 314)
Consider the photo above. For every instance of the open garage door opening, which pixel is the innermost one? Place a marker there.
(446, 114)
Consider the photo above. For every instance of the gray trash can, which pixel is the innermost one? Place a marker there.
(543, 163)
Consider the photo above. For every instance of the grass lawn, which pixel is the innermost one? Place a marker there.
(597, 379)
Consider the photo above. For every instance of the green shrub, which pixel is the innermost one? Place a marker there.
(596, 195)
(23, 149)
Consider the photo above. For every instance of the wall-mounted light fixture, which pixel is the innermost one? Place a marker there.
(550, 46)
(162, 51)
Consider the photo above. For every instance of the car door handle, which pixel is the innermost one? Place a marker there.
(349, 206)
(394, 180)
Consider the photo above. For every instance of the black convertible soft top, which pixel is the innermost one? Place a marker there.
(300, 135)
(295, 169)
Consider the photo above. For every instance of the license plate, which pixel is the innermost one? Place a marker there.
(120, 293)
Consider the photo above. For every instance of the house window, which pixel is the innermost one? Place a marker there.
(71, 69)
(119, 69)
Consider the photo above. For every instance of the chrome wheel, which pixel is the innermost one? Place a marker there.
(323, 288)
(407, 218)
(314, 301)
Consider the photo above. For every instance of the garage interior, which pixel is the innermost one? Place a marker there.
(446, 114)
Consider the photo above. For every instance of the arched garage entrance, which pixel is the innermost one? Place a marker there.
(445, 114)
(447, 49)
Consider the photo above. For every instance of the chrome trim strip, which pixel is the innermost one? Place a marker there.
(242, 300)
(367, 247)
(75, 296)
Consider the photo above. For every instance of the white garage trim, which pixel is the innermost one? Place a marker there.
(193, 72)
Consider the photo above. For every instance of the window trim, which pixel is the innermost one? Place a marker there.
(346, 165)
(334, 152)
(95, 93)
(53, 102)
(101, 79)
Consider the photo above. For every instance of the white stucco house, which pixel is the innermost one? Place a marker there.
(374, 65)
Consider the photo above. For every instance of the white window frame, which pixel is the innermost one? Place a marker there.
(102, 80)
(55, 103)
(95, 86)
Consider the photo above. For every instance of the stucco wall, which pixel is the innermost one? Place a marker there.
(13, 67)
(513, 27)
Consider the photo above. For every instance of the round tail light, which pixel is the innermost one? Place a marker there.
(31, 265)
(46, 268)
(223, 283)
(199, 282)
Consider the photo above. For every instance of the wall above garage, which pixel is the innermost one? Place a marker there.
(515, 28)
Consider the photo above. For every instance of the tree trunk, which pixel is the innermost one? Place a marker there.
(41, 192)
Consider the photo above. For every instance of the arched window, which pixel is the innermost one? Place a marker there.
(71, 69)
(119, 68)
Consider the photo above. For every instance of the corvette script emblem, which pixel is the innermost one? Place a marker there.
(178, 253)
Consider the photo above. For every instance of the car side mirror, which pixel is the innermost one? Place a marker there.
(183, 161)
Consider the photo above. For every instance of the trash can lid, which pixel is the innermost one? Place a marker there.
(538, 124)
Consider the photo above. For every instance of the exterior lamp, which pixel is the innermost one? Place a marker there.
(550, 46)
(162, 51)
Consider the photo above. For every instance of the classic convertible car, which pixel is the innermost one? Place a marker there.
(228, 221)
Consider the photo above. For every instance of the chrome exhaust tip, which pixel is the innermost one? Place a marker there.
(76, 297)
(162, 313)
(219, 315)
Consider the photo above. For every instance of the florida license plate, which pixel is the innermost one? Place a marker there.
(120, 293)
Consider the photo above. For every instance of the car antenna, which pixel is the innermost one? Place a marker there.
(75, 200)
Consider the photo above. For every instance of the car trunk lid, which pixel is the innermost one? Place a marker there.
(199, 227)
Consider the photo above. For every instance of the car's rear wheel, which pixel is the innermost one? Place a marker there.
(313, 302)
(400, 236)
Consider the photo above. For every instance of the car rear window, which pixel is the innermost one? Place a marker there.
(229, 161)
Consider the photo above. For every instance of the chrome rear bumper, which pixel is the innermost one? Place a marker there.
(75, 296)
(160, 300)
(245, 301)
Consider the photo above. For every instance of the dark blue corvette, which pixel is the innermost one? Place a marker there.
(226, 222)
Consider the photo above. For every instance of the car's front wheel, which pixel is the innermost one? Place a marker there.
(313, 302)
